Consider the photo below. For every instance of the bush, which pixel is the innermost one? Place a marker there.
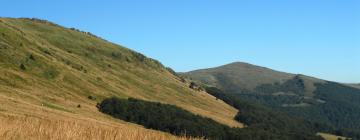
(32, 57)
(91, 98)
(195, 86)
(22, 67)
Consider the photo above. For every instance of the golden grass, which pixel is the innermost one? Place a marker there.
(330, 136)
(54, 99)
(21, 120)
(30, 128)
(71, 86)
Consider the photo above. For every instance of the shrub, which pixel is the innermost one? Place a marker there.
(22, 67)
(91, 97)
(32, 57)
(139, 56)
(116, 55)
(195, 86)
(47, 52)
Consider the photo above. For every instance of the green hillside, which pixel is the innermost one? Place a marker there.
(50, 71)
(315, 100)
(239, 76)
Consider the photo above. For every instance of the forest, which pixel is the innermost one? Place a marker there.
(172, 119)
(338, 110)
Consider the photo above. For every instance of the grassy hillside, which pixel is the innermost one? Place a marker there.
(333, 104)
(243, 78)
(331, 137)
(55, 73)
(238, 76)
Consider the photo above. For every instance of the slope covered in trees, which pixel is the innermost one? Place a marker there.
(333, 104)
(257, 116)
(263, 124)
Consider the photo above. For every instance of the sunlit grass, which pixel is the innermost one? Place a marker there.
(30, 128)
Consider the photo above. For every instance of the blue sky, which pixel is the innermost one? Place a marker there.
(319, 38)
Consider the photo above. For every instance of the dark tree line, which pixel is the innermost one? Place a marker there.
(295, 85)
(339, 115)
(259, 117)
(169, 118)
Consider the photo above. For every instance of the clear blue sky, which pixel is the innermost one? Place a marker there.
(314, 37)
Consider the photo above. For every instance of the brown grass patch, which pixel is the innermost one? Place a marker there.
(31, 128)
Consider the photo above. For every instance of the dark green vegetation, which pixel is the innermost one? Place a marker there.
(342, 108)
(335, 106)
(163, 117)
(259, 117)
(263, 124)
(295, 85)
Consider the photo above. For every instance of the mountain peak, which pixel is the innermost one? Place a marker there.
(239, 75)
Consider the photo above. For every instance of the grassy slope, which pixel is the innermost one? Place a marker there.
(67, 66)
(241, 75)
(331, 137)
(238, 76)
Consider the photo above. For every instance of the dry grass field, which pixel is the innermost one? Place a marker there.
(30, 128)
(331, 137)
(47, 71)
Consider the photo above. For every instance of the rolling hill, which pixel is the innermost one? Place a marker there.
(334, 104)
(239, 76)
(53, 75)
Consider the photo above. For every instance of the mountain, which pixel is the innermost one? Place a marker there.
(334, 104)
(239, 76)
(52, 77)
